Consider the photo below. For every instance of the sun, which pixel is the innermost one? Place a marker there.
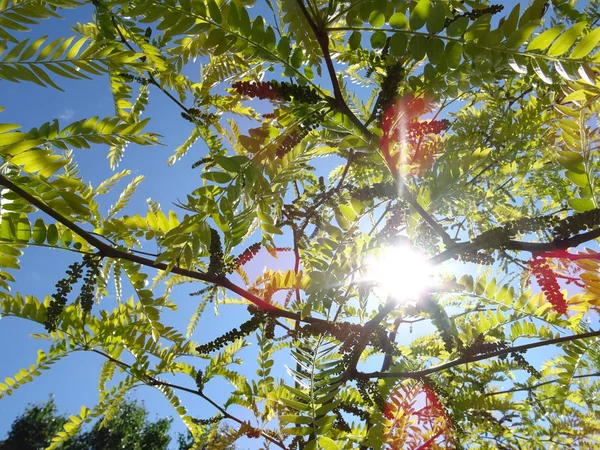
(402, 272)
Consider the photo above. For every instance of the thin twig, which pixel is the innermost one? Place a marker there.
(475, 358)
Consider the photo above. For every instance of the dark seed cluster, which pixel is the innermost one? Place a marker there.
(370, 393)
(572, 225)
(376, 190)
(546, 278)
(210, 421)
(524, 364)
(194, 114)
(277, 90)
(130, 77)
(476, 13)
(200, 380)
(59, 299)
(394, 224)
(86, 298)
(258, 318)
(296, 136)
(389, 88)
(65, 286)
(215, 265)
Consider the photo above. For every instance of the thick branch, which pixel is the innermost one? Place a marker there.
(475, 358)
(532, 247)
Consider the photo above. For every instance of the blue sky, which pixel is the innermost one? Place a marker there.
(73, 381)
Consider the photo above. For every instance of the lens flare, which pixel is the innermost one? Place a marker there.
(402, 272)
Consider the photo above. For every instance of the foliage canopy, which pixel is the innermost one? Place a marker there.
(460, 131)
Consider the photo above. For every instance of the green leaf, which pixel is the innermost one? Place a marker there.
(297, 58)
(376, 19)
(297, 431)
(229, 164)
(420, 14)
(581, 204)
(398, 20)
(418, 47)
(458, 27)
(437, 19)
(214, 11)
(328, 443)
(586, 44)
(378, 39)
(39, 231)
(543, 41)
(23, 229)
(566, 40)
(398, 43)
(52, 234)
(354, 41)
(217, 177)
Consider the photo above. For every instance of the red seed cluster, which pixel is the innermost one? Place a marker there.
(246, 256)
(261, 89)
(416, 130)
(547, 281)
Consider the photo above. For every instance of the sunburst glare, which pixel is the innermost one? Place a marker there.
(402, 272)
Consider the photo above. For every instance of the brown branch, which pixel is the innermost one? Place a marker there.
(112, 252)
(153, 381)
(532, 247)
(474, 358)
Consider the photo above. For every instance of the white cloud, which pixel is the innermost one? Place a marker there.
(67, 114)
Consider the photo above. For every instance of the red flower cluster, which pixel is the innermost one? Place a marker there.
(416, 130)
(261, 89)
(547, 281)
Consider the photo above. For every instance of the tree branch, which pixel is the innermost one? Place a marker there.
(475, 358)
(153, 381)
(112, 252)
(535, 386)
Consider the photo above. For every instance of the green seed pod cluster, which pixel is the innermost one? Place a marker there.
(212, 289)
(59, 299)
(394, 224)
(572, 225)
(482, 257)
(524, 364)
(295, 136)
(376, 190)
(196, 115)
(389, 88)
(355, 410)
(199, 380)
(481, 347)
(440, 320)
(94, 269)
(370, 393)
(258, 318)
(216, 265)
